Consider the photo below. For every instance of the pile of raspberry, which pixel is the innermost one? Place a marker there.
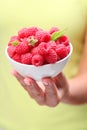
(35, 46)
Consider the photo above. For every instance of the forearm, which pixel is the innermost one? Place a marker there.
(77, 93)
(78, 85)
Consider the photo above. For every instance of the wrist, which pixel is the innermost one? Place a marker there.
(77, 91)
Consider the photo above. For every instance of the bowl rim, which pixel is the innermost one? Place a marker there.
(71, 49)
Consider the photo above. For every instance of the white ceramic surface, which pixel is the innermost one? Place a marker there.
(37, 73)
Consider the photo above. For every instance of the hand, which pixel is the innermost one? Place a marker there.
(49, 92)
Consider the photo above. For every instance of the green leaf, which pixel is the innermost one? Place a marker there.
(14, 43)
(32, 41)
(57, 34)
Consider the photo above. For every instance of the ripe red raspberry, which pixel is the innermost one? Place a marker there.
(22, 33)
(17, 57)
(42, 48)
(64, 40)
(37, 60)
(34, 51)
(45, 46)
(51, 56)
(51, 45)
(14, 38)
(26, 32)
(43, 36)
(61, 51)
(26, 58)
(23, 47)
(11, 50)
(32, 31)
(53, 29)
(32, 41)
(57, 41)
(68, 48)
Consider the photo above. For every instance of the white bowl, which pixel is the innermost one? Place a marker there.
(37, 73)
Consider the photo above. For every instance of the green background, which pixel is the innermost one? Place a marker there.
(17, 110)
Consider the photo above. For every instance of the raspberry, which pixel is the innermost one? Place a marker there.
(11, 50)
(51, 56)
(53, 29)
(62, 51)
(34, 51)
(14, 38)
(37, 60)
(32, 41)
(32, 31)
(26, 32)
(17, 57)
(68, 49)
(23, 47)
(51, 45)
(26, 58)
(57, 41)
(43, 36)
(42, 48)
(64, 40)
(22, 33)
(45, 46)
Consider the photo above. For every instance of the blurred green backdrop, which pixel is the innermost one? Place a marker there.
(14, 102)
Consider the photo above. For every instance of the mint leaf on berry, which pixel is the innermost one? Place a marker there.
(57, 34)
(14, 43)
(32, 40)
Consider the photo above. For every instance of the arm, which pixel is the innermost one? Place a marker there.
(78, 85)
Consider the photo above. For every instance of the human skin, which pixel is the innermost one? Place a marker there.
(52, 91)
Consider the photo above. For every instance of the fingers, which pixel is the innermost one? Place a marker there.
(31, 86)
(55, 88)
(51, 97)
(35, 91)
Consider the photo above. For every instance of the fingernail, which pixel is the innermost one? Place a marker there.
(45, 83)
(27, 82)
